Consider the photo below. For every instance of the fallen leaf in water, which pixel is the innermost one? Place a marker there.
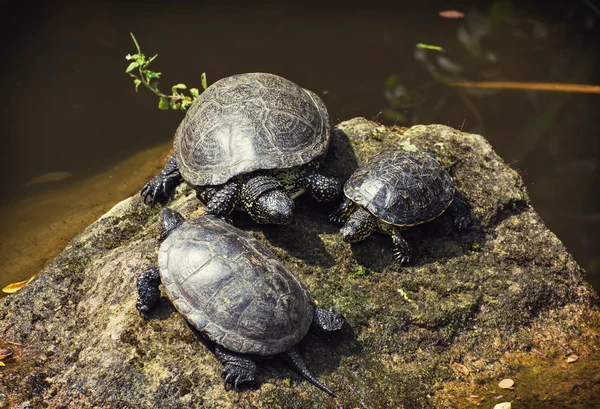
(572, 358)
(429, 47)
(451, 14)
(14, 287)
(2, 363)
(506, 383)
(49, 177)
(503, 405)
(4, 353)
(463, 369)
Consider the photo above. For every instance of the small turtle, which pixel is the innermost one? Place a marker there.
(233, 290)
(394, 190)
(252, 141)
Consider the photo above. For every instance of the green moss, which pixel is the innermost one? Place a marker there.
(360, 271)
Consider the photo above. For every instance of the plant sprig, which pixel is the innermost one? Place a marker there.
(177, 100)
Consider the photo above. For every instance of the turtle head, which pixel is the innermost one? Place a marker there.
(273, 207)
(360, 225)
(169, 220)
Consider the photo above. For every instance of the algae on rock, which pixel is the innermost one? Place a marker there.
(504, 298)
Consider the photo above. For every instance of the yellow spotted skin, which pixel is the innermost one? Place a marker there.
(261, 193)
(395, 190)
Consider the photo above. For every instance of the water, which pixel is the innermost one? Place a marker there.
(70, 108)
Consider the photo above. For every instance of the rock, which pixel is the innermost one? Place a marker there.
(484, 298)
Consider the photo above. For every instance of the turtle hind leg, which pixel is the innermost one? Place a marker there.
(147, 287)
(293, 358)
(402, 251)
(159, 189)
(327, 320)
(237, 369)
(322, 188)
(460, 211)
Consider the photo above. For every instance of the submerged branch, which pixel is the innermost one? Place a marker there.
(535, 86)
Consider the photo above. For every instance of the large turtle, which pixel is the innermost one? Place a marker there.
(250, 140)
(395, 190)
(233, 290)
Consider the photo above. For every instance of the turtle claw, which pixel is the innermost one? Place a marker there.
(235, 375)
(335, 220)
(402, 257)
(155, 190)
(462, 222)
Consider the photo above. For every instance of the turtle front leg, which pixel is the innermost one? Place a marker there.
(160, 188)
(342, 213)
(402, 251)
(460, 211)
(327, 320)
(322, 188)
(147, 287)
(238, 368)
(221, 202)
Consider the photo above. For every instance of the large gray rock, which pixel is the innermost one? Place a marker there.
(504, 299)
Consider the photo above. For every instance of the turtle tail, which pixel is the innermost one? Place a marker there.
(292, 357)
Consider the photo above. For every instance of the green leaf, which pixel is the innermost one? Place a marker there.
(186, 103)
(175, 105)
(151, 74)
(137, 83)
(203, 80)
(194, 92)
(163, 103)
(132, 66)
(152, 59)
(140, 58)
(176, 87)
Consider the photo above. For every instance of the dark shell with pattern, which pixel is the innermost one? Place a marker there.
(249, 122)
(233, 289)
(402, 188)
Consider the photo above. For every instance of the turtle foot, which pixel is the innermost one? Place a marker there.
(402, 257)
(159, 189)
(402, 251)
(235, 375)
(238, 368)
(462, 222)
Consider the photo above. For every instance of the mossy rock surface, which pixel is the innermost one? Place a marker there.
(502, 300)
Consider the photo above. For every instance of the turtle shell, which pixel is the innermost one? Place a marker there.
(248, 122)
(401, 188)
(233, 289)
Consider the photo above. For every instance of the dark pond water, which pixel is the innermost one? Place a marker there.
(69, 107)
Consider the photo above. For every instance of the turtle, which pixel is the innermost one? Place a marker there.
(252, 141)
(395, 190)
(236, 293)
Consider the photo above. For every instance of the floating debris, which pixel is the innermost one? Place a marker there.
(506, 383)
(503, 405)
(14, 287)
(451, 14)
(572, 358)
(429, 47)
(49, 177)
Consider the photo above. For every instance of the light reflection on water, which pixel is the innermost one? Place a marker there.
(72, 109)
